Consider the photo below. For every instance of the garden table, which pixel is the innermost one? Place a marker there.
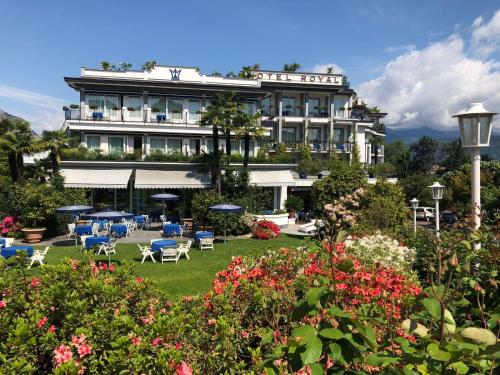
(139, 219)
(171, 229)
(8, 252)
(119, 229)
(83, 229)
(90, 242)
(156, 246)
(202, 234)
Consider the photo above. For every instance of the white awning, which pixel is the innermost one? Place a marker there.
(154, 179)
(272, 178)
(96, 178)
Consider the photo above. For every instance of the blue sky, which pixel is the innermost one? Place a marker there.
(388, 49)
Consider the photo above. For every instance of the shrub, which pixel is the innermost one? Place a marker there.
(265, 230)
(10, 227)
(294, 203)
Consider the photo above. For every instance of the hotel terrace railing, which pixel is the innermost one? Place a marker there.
(321, 146)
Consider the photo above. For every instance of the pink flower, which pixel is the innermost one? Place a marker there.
(35, 281)
(74, 264)
(212, 322)
(184, 369)
(78, 340)
(139, 280)
(341, 286)
(245, 334)
(3, 304)
(42, 322)
(157, 341)
(52, 329)
(9, 220)
(84, 349)
(135, 340)
(112, 267)
(62, 354)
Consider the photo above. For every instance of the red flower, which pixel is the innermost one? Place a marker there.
(184, 369)
(62, 354)
(139, 279)
(84, 349)
(3, 304)
(157, 341)
(52, 329)
(42, 322)
(135, 340)
(35, 281)
(245, 334)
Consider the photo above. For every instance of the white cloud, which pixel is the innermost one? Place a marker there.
(425, 87)
(402, 48)
(485, 37)
(43, 112)
(321, 68)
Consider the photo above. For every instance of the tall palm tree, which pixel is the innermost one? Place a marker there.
(17, 140)
(329, 70)
(55, 141)
(219, 115)
(248, 126)
(247, 71)
(291, 67)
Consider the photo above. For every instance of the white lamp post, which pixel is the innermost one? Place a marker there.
(414, 205)
(437, 194)
(475, 130)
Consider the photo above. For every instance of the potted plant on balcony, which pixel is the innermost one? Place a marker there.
(130, 109)
(287, 111)
(74, 106)
(93, 107)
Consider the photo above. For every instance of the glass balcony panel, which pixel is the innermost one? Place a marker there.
(194, 114)
(175, 108)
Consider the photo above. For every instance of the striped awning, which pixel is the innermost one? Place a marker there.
(272, 178)
(96, 178)
(154, 179)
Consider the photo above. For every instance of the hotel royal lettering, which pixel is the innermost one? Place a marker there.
(301, 78)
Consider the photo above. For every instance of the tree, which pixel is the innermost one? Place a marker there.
(291, 67)
(452, 155)
(105, 65)
(382, 170)
(148, 66)
(329, 70)
(398, 155)
(376, 142)
(55, 141)
(230, 74)
(17, 140)
(219, 115)
(417, 186)
(247, 71)
(248, 126)
(423, 154)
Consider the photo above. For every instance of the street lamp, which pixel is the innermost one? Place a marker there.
(437, 194)
(414, 205)
(475, 130)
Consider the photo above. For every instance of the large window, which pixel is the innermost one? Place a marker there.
(157, 144)
(340, 104)
(289, 136)
(235, 147)
(194, 146)
(108, 105)
(175, 109)
(339, 135)
(194, 108)
(289, 106)
(174, 145)
(115, 145)
(249, 108)
(314, 107)
(265, 106)
(158, 105)
(314, 135)
(134, 107)
(93, 142)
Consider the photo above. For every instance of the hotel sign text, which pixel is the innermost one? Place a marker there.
(300, 78)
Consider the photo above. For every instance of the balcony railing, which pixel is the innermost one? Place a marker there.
(292, 112)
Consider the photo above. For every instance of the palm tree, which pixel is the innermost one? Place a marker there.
(55, 141)
(291, 67)
(247, 71)
(248, 126)
(219, 115)
(329, 70)
(17, 140)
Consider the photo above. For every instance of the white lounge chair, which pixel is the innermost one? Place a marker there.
(71, 230)
(169, 254)
(183, 249)
(38, 256)
(206, 243)
(146, 252)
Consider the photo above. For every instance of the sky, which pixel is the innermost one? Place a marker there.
(419, 61)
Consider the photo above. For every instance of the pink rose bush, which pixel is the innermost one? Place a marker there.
(10, 227)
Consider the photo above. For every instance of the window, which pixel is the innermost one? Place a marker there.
(251, 150)
(93, 142)
(134, 107)
(314, 135)
(157, 144)
(265, 106)
(175, 109)
(339, 135)
(174, 145)
(248, 108)
(194, 108)
(210, 145)
(158, 105)
(340, 104)
(289, 136)
(108, 105)
(115, 145)
(194, 146)
(289, 106)
(235, 147)
(314, 107)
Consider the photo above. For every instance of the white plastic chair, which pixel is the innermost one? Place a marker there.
(38, 256)
(183, 249)
(8, 241)
(71, 230)
(95, 229)
(163, 218)
(107, 248)
(82, 241)
(169, 254)
(206, 243)
(146, 252)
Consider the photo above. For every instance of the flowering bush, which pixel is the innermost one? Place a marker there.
(381, 250)
(10, 227)
(265, 230)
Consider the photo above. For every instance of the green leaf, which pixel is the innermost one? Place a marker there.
(377, 360)
(433, 307)
(335, 351)
(331, 333)
(314, 294)
(316, 369)
(312, 354)
(335, 311)
(304, 331)
(267, 337)
(436, 353)
(460, 367)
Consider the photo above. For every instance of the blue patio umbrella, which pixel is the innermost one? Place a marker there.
(225, 208)
(74, 209)
(110, 215)
(164, 197)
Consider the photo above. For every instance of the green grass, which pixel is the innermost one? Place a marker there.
(187, 277)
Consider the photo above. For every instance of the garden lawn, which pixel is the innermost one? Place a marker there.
(187, 277)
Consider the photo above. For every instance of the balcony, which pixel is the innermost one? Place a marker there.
(292, 112)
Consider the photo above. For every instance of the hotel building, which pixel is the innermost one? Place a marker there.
(158, 111)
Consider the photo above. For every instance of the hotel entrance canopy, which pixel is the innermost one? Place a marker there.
(155, 179)
(96, 178)
(272, 178)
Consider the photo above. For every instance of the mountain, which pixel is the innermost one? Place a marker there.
(412, 135)
(4, 115)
